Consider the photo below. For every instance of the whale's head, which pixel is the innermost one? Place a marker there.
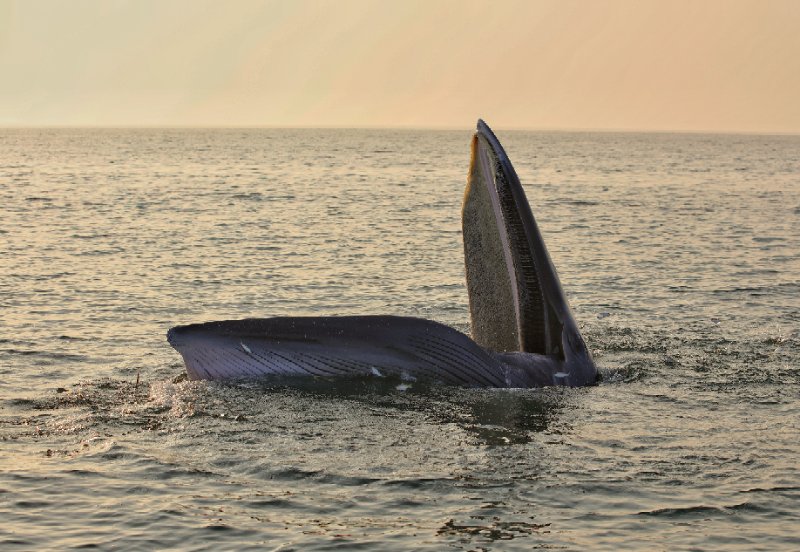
(516, 299)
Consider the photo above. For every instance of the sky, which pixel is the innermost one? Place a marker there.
(699, 65)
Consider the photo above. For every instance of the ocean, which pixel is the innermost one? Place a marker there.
(680, 254)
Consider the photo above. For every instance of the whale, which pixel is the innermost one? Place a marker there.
(522, 331)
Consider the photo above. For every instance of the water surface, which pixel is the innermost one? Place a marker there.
(680, 255)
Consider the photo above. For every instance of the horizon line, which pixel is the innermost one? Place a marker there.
(597, 130)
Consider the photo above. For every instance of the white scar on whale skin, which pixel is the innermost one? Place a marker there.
(245, 348)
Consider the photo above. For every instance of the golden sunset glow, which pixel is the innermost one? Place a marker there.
(678, 65)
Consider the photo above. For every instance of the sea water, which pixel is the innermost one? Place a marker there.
(680, 254)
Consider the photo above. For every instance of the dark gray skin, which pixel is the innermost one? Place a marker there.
(407, 348)
(524, 334)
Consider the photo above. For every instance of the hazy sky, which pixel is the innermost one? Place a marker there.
(673, 65)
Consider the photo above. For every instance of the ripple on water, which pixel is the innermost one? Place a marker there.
(680, 268)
